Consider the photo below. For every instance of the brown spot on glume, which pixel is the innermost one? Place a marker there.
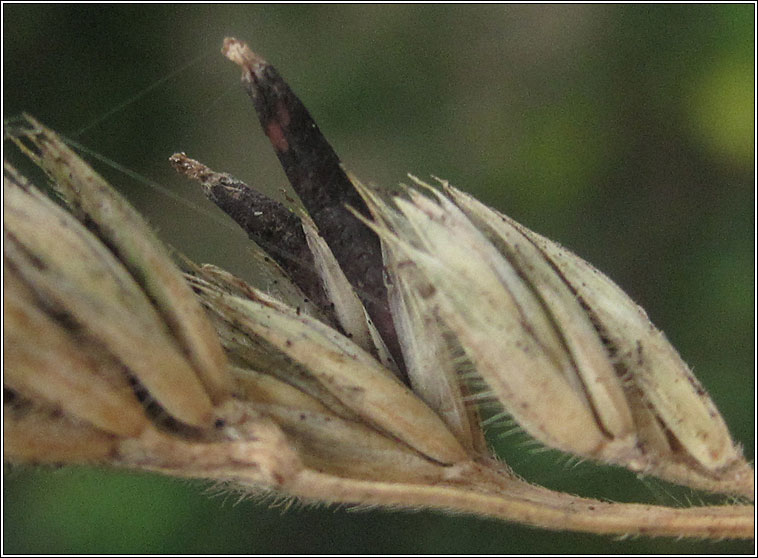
(276, 135)
(427, 290)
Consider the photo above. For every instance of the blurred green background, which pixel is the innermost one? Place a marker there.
(624, 132)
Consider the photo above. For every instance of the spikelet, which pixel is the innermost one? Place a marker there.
(555, 341)
(351, 380)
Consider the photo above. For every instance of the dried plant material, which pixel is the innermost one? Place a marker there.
(44, 362)
(525, 367)
(433, 361)
(244, 447)
(305, 404)
(251, 352)
(555, 370)
(330, 443)
(125, 232)
(686, 435)
(676, 422)
(81, 282)
(349, 373)
(275, 282)
(589, 367)
(79, 278)
(350, 312)
(432, 356)
(39, 435)
(539, 508)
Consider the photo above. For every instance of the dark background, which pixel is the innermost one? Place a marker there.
(624, 132)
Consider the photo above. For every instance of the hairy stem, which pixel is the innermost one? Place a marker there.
(537, 507)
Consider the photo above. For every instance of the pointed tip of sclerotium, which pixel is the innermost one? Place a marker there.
(188, 167)
(238, 52)
(195, 170)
